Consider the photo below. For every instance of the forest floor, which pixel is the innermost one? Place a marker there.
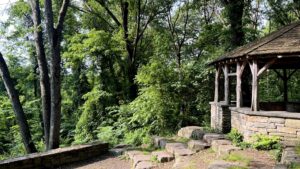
(201, 160)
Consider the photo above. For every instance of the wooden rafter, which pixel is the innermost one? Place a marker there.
(267, 65)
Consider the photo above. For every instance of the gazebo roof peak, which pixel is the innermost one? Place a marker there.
(285, 41)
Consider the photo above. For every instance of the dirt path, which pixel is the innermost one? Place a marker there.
(200, 160)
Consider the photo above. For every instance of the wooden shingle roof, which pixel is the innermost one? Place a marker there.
(283, 41)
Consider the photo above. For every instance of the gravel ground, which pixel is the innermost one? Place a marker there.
(200, 160)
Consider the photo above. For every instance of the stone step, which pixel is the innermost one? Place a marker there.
(145, 165)
(170, 147)
(191, 132)
(280, 166)
(139, 158)
(163, 156)
(183, 162)
(209, 137)
(223, 165)
(160, 142)
(216, 143)
(197, 145)
(226, 149)
(130, 154)
(289, 156)
(178, 149)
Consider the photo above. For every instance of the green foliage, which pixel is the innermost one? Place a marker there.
(294, 166)
(96, 86)
(235, 136)
(107, 135)
(264, 142)
(235, 157)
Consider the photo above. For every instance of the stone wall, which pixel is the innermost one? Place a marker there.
(277, 124)
(220, 117)
(56, 158)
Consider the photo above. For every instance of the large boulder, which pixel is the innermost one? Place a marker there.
(191, 132)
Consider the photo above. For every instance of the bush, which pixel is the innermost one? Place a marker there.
(263, 142)
(235, 136)
(107, 134)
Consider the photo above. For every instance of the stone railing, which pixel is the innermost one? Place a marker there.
(274, 123)
(56, 158)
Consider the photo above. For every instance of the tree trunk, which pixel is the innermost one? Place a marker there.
(20, 115)
(55, 36)
(43, 68)
(131, 69)
(235, 11)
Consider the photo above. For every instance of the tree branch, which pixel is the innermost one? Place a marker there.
(102, 3)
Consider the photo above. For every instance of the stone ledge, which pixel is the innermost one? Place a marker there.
(56, 158)
(281, 114)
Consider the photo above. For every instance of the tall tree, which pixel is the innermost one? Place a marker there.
(55, 38)
(43, 68)
(235, 10)
(134, 21)
(18, 109)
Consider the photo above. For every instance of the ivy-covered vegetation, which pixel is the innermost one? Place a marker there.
(129, 69)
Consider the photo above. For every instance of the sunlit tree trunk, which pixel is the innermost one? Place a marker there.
(16, 104)
(55, 37)
(43, 68)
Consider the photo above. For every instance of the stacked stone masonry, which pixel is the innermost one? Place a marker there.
(286, 128)
(56, 158)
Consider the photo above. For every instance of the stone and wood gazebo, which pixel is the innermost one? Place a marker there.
(280, 52)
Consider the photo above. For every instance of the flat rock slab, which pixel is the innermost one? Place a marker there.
(280, 166)
(197, 145)
(183, 152)
(170, 147)
(160, 142)
(289, 155)
(139, 158)
(163, 156)
(209, 137)
(216, 143)
(133, 153)
(117, 151)
(183, 163)
(227, 149)
(223, 165)
(145, 165)
(191, 132)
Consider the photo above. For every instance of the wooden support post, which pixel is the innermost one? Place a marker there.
(239, 72)
(238, 85)
(226, 84)
(255, 98)
(217, 78)
(285, 86)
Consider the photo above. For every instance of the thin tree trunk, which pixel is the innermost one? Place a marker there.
(43, 68)
(18, 109)
(55, 36)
